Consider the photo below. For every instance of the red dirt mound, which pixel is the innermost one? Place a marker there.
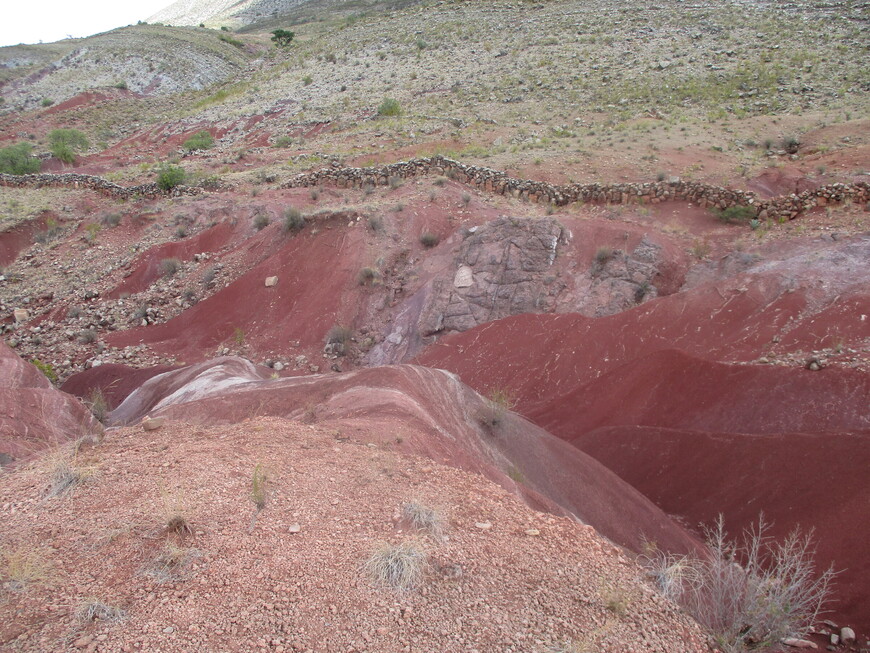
(301, 308)
(34, 415)
(812, 481)
(446, 421)
(14, 241)
(114, 380)
(670, 389)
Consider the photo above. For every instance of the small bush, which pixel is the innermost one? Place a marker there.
(201, 140)
(791, 144)
(423, 518)
(229, 39)
(111, 220)
(428, 239)
(16, 160)
(376, 224)
(66, 475)
(93, 609)
(172, 563)
(338, 334)
(258, 488)
(294, 221)
(307, 80)
(395, 182)
(169, 267)
(283, 141)
(400, 566)
(261, 222)
(603, 254)
(390, 107)
(499, 402)
(98, 404)
(735, 214)
(24, 566)
(46, 102)
(367, 276)
(65, 143)
(87, 336)
(169, 177)
(749, 594)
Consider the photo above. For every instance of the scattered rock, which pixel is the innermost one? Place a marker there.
(271, 281)
(295, 528)
(799, 643)
(847, 635)
(152, 423)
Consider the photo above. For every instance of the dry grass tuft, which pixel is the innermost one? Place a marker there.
(92, 609)
(24, 566)
(423, 518)
(66, 475)
(400, 566)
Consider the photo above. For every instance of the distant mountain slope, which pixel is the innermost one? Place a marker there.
(146, 59)
(239, 13)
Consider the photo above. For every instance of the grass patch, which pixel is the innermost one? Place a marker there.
(400, 566)
(423, 518)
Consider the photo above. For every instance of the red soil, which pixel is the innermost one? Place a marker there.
(20, 237)
(115, 381)
(444, 422)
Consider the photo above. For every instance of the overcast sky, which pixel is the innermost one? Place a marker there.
(32, 21)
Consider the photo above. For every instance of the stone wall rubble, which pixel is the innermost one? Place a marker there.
(494, 181)
(91, 182)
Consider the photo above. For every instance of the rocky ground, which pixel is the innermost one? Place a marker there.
(162, 548)
(643, 335)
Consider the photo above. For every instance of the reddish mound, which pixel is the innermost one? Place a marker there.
(147, 267)
(445, 421)
(815, 481)
(670, 389)
(114, 380)
(20, 237)
(302, 307)
(33, 414)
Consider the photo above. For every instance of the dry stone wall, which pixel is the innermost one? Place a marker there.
(494, 181)
(73, 180)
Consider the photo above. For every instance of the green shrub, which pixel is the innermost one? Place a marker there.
(261, 222)
(308, 79)
(47, 102)
(168, 177)
(390, 107)
(231, 41)
(201, 140)
(46, 369)
(736, 214)
(16, 160)
(64, 144)
(282, 37)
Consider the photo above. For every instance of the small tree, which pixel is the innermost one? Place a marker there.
(282, 37)
(65, 143)
(16, 160)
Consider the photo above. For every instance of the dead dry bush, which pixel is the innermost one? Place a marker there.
(749, 594)
(423, 518)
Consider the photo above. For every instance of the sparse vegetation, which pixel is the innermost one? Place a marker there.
(749, 594)
(98, 404)
(261, 221)
(338, 334)
(367, 276)
(400, 566)
(172, 563)
(45, 368)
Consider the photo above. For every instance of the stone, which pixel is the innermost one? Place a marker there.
(835, 639)
(847, 635)
(278, 366)
(295, 528)
(483, 525)
(464, 277)
(152, 423)
(271, 281)
(21, 315)
(799, 643)
(533, 532)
